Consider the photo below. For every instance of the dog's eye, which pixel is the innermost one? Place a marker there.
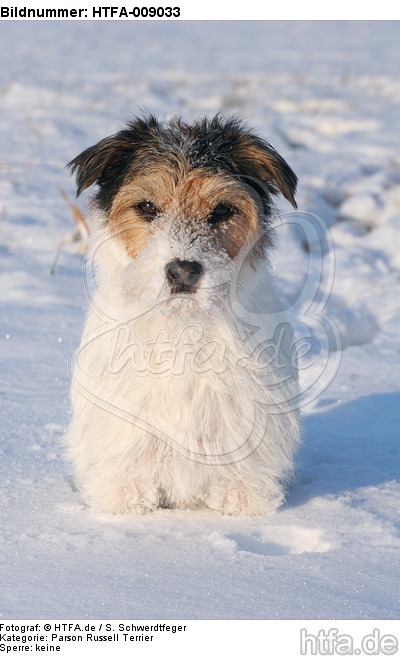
(146, 209)
(221, 213)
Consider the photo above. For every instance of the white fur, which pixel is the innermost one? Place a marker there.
(176, 398)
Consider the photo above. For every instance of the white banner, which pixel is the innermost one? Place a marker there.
(154, 637)
(134, 10)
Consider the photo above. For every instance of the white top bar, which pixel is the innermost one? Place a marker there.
(132, 10)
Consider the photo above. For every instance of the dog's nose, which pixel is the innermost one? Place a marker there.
(183, 275)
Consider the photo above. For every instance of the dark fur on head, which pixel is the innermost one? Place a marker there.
(217, 144)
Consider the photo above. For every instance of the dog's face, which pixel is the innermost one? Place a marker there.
(185, 200)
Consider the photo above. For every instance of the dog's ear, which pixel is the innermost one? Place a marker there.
(268, 169)
(99, 162)
(258, 163)
(108, 162)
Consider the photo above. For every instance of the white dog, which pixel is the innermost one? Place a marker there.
(183, 390)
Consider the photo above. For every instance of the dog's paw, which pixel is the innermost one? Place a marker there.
(239, 500)
(142, 507)
(124, 502)
(136, 505)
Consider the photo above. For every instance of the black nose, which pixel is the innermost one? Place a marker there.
(183, 275)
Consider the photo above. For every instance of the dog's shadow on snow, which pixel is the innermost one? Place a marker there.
(347, 446)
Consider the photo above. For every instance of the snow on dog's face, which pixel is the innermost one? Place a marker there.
(185, 198)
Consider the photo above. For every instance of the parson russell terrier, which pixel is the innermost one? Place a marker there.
(176, 400)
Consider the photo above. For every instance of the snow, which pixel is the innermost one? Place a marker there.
(327, 96)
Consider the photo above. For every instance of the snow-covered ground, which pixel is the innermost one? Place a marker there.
(327, 95)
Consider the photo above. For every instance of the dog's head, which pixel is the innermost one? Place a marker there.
(201, 192)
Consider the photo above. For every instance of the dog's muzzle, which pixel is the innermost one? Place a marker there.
(183, 275)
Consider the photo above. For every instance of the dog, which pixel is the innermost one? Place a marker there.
(183, 388)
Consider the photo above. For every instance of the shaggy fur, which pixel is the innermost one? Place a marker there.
(183, 390)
